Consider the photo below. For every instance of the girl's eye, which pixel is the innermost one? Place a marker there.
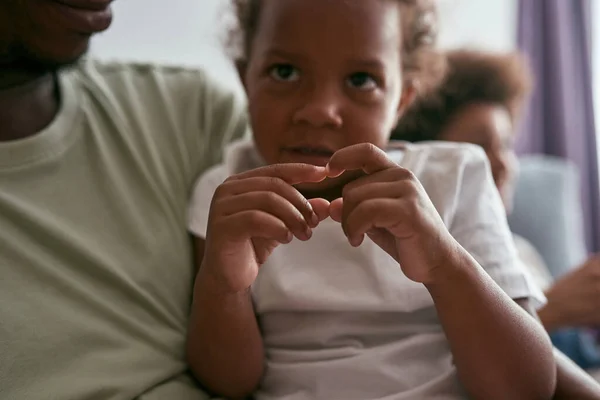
(362, 81)
(284, 73)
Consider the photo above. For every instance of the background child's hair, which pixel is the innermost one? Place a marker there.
(422, 63)
(473, 77)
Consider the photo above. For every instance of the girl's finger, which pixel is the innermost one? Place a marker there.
(251, 224)
(389, 175)
(336, 210)
(275, 185)
(378, 190)
(375, 213)
(364, 156)
(270, 203)
(320, 207)
(291, 173)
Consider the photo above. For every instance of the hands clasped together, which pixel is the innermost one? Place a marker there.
(254, 212)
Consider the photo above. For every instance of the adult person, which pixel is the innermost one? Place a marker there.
(479, 102)
(96, 164)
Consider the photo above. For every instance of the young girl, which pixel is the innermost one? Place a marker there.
(400, 281)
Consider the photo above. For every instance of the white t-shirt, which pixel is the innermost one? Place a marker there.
(533, 262)
(344, 323)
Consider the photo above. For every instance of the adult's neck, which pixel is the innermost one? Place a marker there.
(29, 101)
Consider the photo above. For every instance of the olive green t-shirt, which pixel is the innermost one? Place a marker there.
(96, 266)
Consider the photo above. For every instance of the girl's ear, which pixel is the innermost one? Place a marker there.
(409, 95)
(241, 67)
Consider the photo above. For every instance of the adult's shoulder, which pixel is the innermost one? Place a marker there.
(185, 109)
(127, 80)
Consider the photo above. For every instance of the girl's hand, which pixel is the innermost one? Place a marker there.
(391, 206)
(251, 214)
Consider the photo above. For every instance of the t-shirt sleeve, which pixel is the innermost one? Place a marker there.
(480, 226)
(201, 199)
(222, 120)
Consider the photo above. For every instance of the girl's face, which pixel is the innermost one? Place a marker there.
(323, 75)
(489, 126)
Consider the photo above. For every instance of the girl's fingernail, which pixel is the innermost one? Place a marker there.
(314, 219)
(355, 241)
(333, 174)
(308, 233)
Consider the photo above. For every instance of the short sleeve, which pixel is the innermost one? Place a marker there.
(223, 119)
(533, 262)
(202, 194)
(480, 226)
(239, 156)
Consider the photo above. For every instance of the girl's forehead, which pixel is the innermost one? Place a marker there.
(362, 25)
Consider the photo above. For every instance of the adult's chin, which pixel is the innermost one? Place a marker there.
(57, 53)
(58, 32)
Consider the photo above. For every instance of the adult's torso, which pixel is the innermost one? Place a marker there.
(96, 265)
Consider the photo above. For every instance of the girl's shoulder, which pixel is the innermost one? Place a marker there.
(454, 175)
(439, 158)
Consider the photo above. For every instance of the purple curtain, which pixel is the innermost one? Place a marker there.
(556, 35)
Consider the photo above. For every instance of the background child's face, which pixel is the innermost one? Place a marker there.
(489, 126)
(323, 75)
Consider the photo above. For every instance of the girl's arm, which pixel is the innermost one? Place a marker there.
(250, 214)
(500, 351)
(224, 348)
(572, 382)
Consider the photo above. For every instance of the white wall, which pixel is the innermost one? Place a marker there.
(184, 32)
(189, 31)
(485, 24)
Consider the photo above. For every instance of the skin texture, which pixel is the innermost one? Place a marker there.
(37, 37)
(323, 85)
(574, 299)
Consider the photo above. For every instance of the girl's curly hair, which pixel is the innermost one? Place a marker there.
(422, 63)
(473, 77)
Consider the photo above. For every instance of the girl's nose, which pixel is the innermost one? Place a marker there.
(321, 110)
